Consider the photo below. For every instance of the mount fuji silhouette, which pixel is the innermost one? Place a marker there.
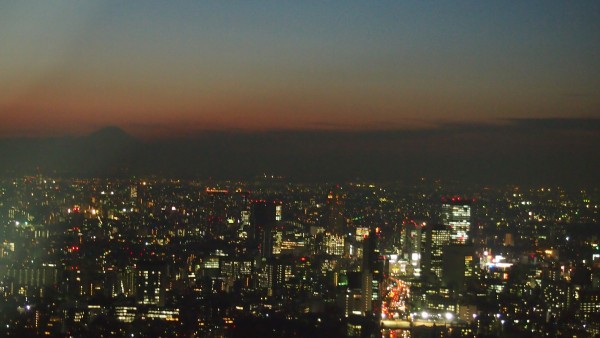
(106, 152)
(523, 152)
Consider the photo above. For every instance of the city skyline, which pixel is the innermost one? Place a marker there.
(300, 169)
(158, 257)
(162, 71)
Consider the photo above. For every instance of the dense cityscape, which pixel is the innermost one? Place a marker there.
(154, 257)
(380, 169)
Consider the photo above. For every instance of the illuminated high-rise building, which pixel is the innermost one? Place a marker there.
(333, 244)
(456, 216)
(263, 218)
(372, 274)
(437, 238)
(151, 283)
(133, 192)
(413, 243)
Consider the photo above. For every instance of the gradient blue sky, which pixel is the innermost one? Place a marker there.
(160, 68)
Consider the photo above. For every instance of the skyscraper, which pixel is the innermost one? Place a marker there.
(263, 218)
(335, 220)
(456, 216)
(437, 237)
(413, 243)
(372, 269)
(458, 264)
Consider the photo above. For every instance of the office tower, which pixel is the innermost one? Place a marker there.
(372, 269)
(457, 266)
(437, 237)
(218, 208)
(31, 277)
(353, 303)
(290, 238)
(133, 192)
(151, 282)
(281, 272)
(413, 243)
(333, 244)
(263, 218)
(336, 222)
(589, 304)
(456, 216)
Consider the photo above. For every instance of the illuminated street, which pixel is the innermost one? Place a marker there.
(394, 306)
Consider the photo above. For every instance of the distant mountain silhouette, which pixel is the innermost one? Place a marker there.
(111, 134)
(106, 152)
(523, 152)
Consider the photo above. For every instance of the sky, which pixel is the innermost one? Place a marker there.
(166, 69)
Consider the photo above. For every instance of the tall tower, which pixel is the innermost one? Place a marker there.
(336, 222)
(218, 210)
(456, 216)
(413, 243)
(263, 218)
(437, 238)
(372, 271)
(457, 266)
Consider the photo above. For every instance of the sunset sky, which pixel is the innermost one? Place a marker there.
(159, 68)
